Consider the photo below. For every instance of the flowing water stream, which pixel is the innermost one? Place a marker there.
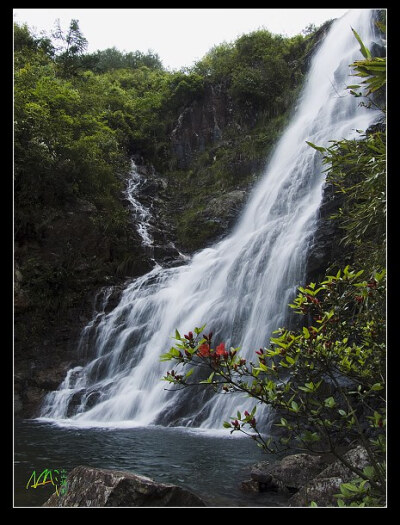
(239, 287)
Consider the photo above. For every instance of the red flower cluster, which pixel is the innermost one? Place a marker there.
(221, 351)
(204, 350)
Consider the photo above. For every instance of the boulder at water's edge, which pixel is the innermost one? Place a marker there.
(94, 487)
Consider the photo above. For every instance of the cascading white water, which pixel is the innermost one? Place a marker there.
(240, 287)
(141, 215)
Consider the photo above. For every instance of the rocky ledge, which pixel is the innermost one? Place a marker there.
(305, 478)
(93, 487)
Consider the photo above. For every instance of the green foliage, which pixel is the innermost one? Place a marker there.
(260, 69)
(184, 88)
(67, 151)
(361, 492)
(371, 69)
(72, 46)
(325, 381)
(217, 64)
(357, 171)
(110, 59)
(25, 40)
(263, 73)
(63, 146)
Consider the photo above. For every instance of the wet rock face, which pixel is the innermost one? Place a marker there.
(92, 487)
(200, 124)
(326, 246)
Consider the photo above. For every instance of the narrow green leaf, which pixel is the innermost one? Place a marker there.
(364, 51)
(318, 148)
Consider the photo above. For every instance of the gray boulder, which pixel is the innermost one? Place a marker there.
(326, 484)
(304, 478)
(93, 487)
(287, 475)
(321, 490)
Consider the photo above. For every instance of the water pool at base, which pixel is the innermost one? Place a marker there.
(212, 465)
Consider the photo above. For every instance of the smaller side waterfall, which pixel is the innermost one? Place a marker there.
(141, 214)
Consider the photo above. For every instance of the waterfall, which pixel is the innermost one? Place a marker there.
(141, 214)
(240, 287)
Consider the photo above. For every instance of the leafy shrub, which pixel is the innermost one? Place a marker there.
(325, 382)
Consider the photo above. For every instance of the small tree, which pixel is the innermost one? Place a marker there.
(73, 45)
(325, 383)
